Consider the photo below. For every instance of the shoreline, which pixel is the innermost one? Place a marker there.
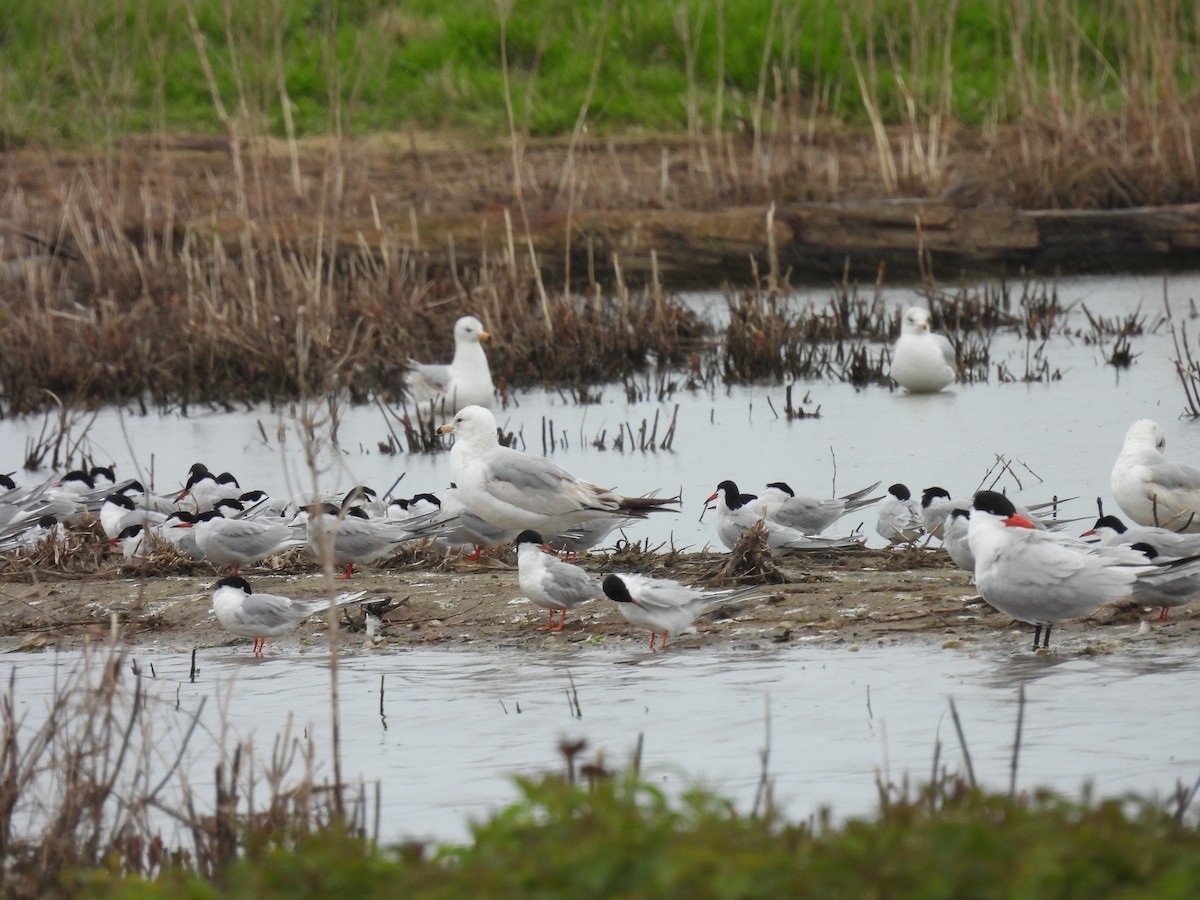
(848, 600)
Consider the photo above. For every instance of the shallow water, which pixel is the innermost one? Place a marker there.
(1061, 437)
(457, 724)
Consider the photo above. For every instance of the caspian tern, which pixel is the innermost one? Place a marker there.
(549, 582)
(899, 518)
(809, 515)
(260, 616)
(923, 361)
(737, 512)
(1151, 489)
(465, 381)
(1041, 577)
(516, 491)
(664, 606)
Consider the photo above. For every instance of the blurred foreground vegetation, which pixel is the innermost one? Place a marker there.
(621, 837)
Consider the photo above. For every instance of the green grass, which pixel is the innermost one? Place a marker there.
(82, 71)
(625, 838)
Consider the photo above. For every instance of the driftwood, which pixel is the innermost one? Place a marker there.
(819, 241)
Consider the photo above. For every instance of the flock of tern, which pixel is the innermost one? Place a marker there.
(1024, 566)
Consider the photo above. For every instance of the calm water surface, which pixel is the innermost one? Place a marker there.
(456, 724)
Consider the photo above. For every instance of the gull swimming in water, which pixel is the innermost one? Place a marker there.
(516, 491)
(464, 381)
(260, 616)
(922, 361)
(1151, 489)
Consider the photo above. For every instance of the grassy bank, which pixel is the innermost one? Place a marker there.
(82, 71)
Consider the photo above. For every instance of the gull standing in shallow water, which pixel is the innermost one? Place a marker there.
(260, 616)
(664, 606)
(464, 381)
(516, 491)
(549, 582)
(1151, 489)
(922, 361)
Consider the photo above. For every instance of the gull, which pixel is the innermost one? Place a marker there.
(549, 582)
(810, 515)
(738, 512)
(1044, 578)
(515, 491)
(465, 381)
(899, 519)
(663, 605)
(260, 616)
(1151, 489)
(922, 361)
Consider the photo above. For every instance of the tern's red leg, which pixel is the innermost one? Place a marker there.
(258, 646)
(653, 635)
(1162, 615)
(474, 557)
(348, 572)
(663, 645)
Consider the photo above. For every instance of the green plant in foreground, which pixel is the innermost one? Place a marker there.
(623, 837)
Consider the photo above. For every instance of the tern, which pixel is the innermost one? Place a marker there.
(549, 582)
(260, 616)
(664, 606)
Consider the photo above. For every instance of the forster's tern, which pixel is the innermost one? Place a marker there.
(899, 517)
(956, 539)
(260, 616)
(738, 512)
(809, 515)
(352, 536)
(516, 491)
(549, 582)
(663, 606)
(1111, 531)
(465, 381)
(922, 361)
(241, 542)
(1167, 590)
(1151, 489)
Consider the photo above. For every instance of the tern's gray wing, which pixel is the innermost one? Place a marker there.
(568, 584)
(263, 613)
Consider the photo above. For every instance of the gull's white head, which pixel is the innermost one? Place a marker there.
(1146, 433)
(915, 321)
(469, 329)
(473, 425)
